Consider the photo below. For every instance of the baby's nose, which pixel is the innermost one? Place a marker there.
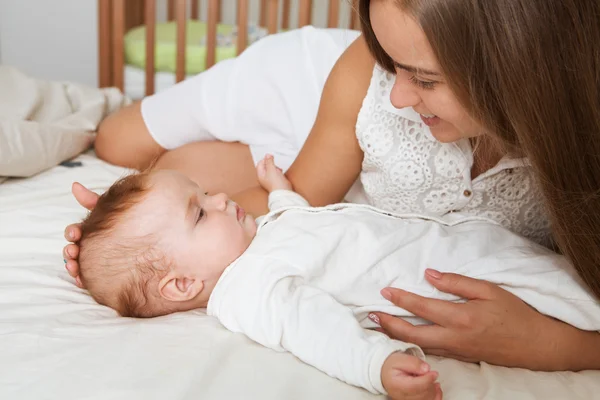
(221, 201)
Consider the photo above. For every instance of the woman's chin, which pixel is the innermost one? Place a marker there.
(444, 134)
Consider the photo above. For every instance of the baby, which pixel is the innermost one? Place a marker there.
(304, 279)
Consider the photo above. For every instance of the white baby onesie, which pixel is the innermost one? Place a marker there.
(311, 276)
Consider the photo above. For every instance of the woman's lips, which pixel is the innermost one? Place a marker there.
(430, 121)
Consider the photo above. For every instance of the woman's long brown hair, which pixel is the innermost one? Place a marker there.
(529, 71)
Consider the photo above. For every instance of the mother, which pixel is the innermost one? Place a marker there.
(508, 94)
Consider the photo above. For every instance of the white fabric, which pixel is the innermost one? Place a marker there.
(311, 273)
(406, 170)
(135, 82)
(57, 343)
(43, 123)
(253, 99)
(280, 199)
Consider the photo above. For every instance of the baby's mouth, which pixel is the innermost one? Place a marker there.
(241, 214)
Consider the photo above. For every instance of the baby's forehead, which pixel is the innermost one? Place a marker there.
(164, 204)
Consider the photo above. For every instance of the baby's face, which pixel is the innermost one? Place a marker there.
(201, 233)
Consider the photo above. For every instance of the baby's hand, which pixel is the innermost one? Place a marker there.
(270, 177)
(408, 377)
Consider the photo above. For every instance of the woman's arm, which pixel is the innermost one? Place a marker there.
(331, 158)
(123, 139)
(493, 326)
(576, 350)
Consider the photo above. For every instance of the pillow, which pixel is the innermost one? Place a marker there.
(43, 123)
(195, 53)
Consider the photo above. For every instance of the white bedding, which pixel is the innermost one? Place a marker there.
(56, 343)
(135, 82)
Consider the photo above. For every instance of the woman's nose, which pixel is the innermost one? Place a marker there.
(403, 93)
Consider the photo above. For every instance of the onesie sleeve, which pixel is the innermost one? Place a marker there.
(279, 199)
(267, 300)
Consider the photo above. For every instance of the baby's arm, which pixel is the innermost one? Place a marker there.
(269, 302)
(281, 193)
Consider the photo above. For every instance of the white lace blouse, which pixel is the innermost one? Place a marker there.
(406, 170)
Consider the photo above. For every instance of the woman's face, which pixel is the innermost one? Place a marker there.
(420, 83)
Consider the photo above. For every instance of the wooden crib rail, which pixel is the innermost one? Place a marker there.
(116, 17)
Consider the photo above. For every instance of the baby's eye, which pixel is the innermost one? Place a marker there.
(201, 215)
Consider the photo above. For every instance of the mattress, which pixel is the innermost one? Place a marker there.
(57, 343)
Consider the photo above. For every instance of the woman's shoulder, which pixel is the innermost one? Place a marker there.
(351, 75)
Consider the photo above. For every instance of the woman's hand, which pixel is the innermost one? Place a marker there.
(87, 199)
(493, 325)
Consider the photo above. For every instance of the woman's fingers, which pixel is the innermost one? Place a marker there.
(84, 196)
(72, 268)
(461, 286)
(440, 312)
(73, 232)
(71, 252)
(424, 336)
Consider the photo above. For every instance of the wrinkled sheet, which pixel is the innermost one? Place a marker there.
(57, 343)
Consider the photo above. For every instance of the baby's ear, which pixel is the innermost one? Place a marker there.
(179, 288)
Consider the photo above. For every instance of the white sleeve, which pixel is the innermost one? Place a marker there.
(195, 109)
(279, 199)
(269, 302)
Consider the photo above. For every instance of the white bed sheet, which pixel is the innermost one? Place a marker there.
(135, 81)
(57, 343)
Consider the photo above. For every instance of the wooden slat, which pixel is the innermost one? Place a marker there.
(272, 14)
(195, 10)
(150, 22)
(354, 16)
(334, 13)
(211, 32)
(104, 44)
(180, 11)
(242, 25)
(171, 10)
(118, 32)
(285, 18)
(134, 13)
(305, 13)
(262, 21)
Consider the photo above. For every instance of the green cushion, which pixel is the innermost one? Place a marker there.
(166, 46)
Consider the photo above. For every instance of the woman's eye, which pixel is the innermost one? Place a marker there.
(426, 85)
(422, 84)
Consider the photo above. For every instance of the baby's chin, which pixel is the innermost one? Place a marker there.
(251, 226)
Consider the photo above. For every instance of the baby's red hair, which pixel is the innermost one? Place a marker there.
(116, 269)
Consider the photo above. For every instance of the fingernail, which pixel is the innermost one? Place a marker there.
(435, 274)
(374, 318)
(424, 368)
(386, 294)
(65, 260)
(71, 235)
